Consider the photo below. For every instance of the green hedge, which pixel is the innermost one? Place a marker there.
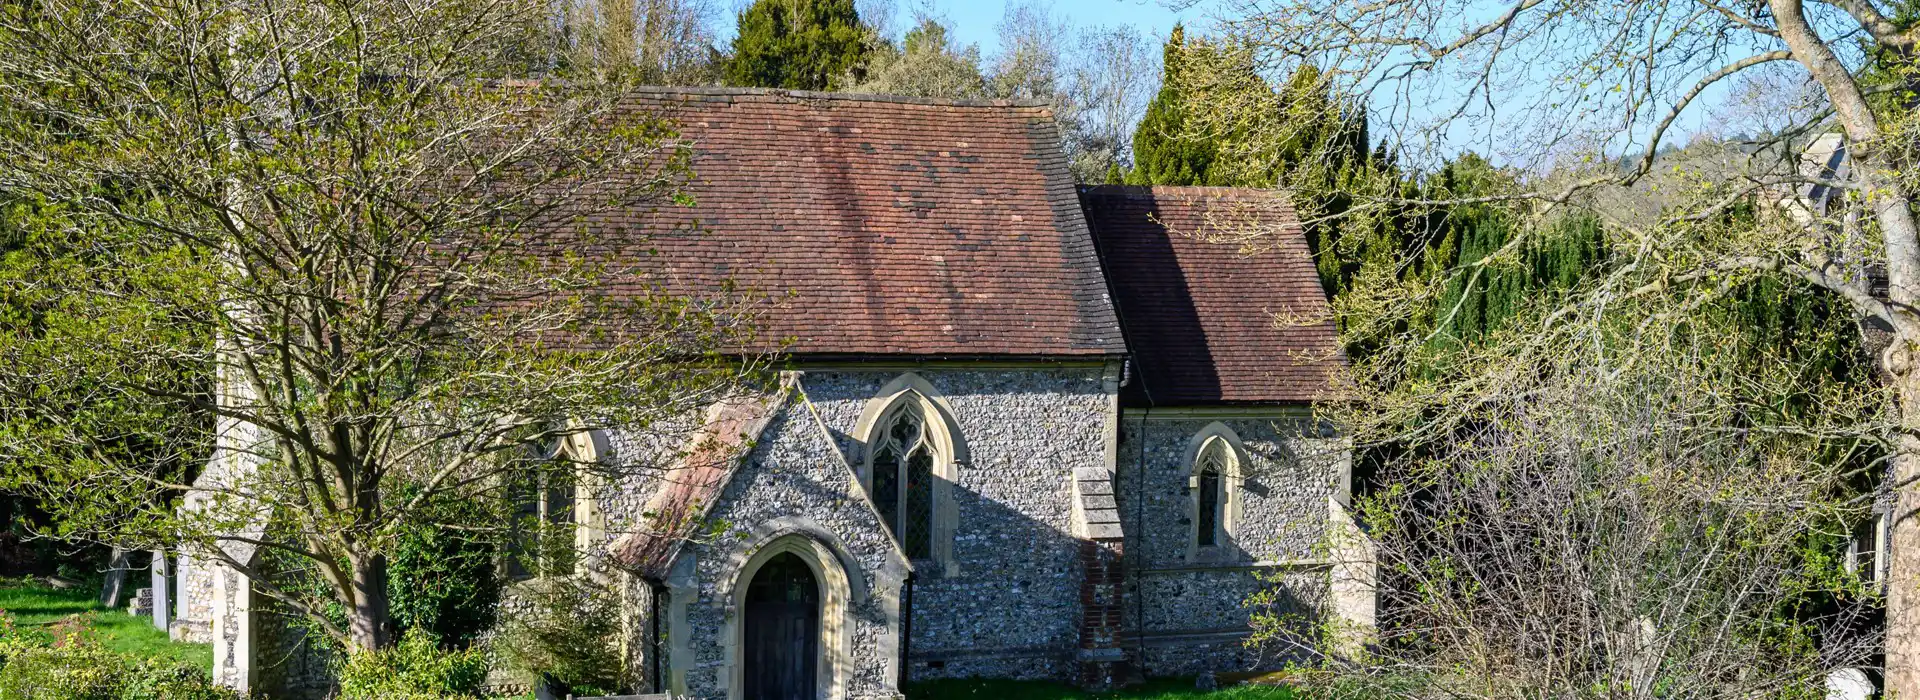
(77, 668)
(415, 669)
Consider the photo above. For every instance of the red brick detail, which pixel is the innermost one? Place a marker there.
(1199, 316)
(1102, 660)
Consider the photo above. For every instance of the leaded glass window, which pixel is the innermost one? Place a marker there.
(902, 479)
(1211, 499)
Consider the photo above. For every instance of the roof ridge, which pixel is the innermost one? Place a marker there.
(799, 95)
(1207, 191)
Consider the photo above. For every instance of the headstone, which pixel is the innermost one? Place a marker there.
(1206, 682)
(111, 589)
(142, 605)
(162, 600)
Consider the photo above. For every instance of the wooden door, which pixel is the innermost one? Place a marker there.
(781, 647)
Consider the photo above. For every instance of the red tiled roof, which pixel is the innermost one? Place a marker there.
(1201, 317)
(881, 225)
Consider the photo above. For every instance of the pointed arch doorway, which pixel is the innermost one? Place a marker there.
(781, 640)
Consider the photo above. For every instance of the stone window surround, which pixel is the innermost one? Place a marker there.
(1214, 434)
(589, 520)
(942, 429)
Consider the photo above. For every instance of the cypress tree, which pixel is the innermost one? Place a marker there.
(797, 44)
(1164, 153)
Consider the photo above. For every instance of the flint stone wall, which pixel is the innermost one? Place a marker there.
(1191, 614)
(193, 621)
(791, 476)
(1012, 607)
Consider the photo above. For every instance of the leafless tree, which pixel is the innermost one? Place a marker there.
(1586, 94)
(665, 42)
(1114, 73)
(1614, 532)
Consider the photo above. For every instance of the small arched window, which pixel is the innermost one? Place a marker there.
(1209, 482)
(555, 517)
(903, 476)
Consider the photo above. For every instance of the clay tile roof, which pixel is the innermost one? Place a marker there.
(694, 484)
(1200, 316)
(883, 225)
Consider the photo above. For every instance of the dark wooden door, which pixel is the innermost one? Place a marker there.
(782, 642)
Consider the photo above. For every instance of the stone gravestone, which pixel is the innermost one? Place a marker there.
(162, 598)
(1206, 682)
(142, 603)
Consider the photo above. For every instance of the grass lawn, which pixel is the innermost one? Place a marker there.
(34, 606)
(1016, 690)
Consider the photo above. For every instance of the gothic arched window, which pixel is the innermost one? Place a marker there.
(1209, 482)
(555, 517)
(903, 475)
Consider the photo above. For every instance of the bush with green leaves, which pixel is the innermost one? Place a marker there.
(443, 582)
(568, 635)
(74, 668)
(415, 669)
(161, 680)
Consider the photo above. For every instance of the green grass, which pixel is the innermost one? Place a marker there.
(1018, 690)
(42, 608)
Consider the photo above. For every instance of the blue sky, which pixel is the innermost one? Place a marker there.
(974, 21)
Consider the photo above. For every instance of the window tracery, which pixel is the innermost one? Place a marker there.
(902, 478)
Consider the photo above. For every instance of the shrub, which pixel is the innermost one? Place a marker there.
(415, 669)
(444, 583)
(160, 680)
(569, 635)
(13, 640)
(71, 669)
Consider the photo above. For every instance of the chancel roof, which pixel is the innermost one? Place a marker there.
(1218, 294)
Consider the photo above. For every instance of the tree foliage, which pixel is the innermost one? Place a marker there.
(1165, 150)
(356, 223)
(798, 45)
(926, 64)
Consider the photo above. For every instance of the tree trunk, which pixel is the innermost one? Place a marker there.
(1903, 565)
(1891, 206)
(370, 621)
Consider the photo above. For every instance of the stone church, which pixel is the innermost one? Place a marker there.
(1024, 429)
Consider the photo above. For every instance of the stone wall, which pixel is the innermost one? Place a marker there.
(233, 648)
(1189, 612)
(791, 484)
(291, 663)
(1011, 608)
(193, 619)
(1011, 604)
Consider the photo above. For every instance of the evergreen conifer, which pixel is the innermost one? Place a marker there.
(797, 44)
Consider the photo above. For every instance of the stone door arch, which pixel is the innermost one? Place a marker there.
(831, 649)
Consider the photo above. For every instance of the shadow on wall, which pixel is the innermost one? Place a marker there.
(1014, 610)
